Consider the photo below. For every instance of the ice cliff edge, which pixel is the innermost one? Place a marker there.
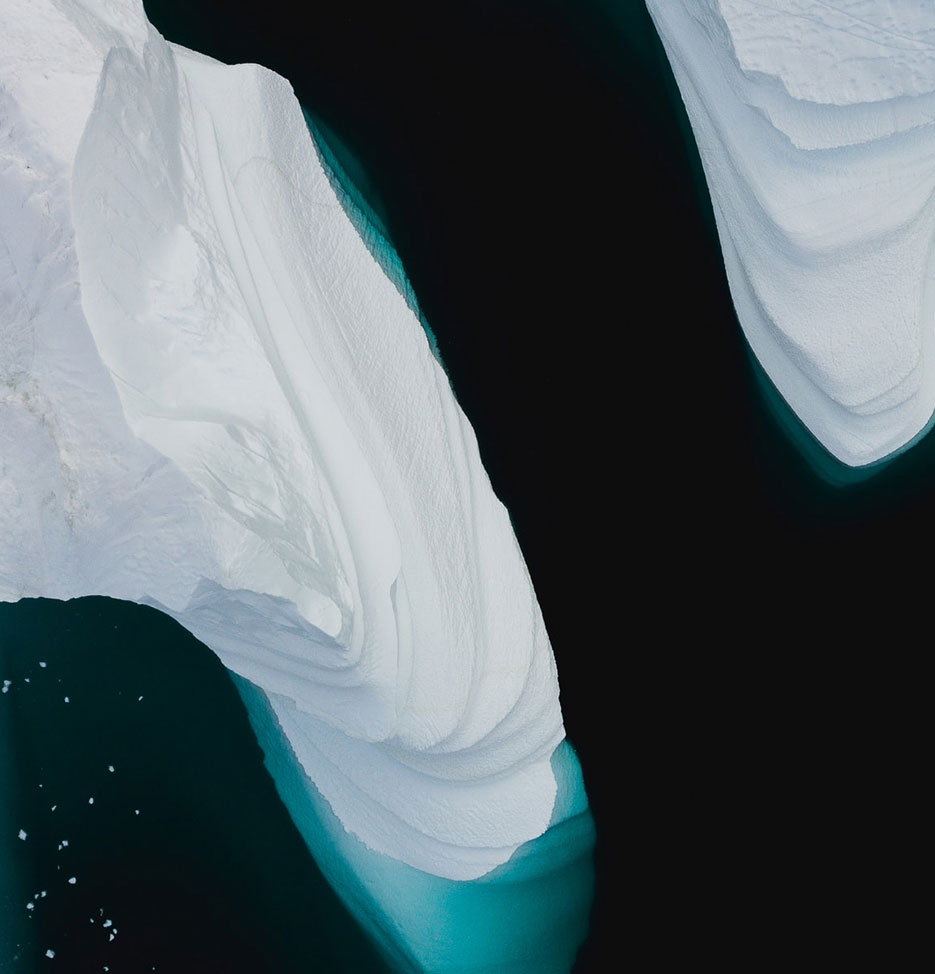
(814, 120)
(213, 401)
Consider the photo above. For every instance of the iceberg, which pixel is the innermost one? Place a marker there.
(214, 401)
(814, 124)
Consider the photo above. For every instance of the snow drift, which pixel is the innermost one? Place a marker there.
(814, 120)
(213, 401)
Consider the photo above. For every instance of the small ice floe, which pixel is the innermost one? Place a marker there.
(110, 938)
(27, 679)
(54, 807)
(92, 919)
(136, 811)
(43, 664)
(65, 843)
(139, 699)
(67, 700)
(23, 834)
(108, 923)
(72, 880)
(50, 953)
(44, 893)
(30, 906)
(110, 768)
(90, 801)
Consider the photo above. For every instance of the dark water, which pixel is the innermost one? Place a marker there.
(783, 710)
(211, 874)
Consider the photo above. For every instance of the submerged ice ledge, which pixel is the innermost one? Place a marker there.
(213, 401)
(814, 120)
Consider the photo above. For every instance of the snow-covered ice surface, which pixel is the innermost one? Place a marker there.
(815, 120)
(213, 401)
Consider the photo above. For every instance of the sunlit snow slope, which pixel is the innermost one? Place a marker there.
(213, 401)
(815, 120)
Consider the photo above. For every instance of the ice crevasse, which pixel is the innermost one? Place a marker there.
(214, 402)
(815, 121)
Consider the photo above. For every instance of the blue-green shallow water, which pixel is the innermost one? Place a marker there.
(530, 915)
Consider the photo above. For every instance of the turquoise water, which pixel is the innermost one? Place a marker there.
(530, 915)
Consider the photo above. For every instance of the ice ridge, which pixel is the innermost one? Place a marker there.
(214, 401)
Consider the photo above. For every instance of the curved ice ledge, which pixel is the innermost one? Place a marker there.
(213, 401)
(815, 128)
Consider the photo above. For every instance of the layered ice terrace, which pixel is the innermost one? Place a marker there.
(815, 120)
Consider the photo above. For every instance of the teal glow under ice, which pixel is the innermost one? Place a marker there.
(529, 916)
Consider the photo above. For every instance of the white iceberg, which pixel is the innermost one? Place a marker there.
(814, 120)
(213, 401)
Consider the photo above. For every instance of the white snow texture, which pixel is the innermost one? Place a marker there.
(815, 121)
(213, 401)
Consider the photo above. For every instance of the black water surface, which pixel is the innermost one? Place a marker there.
(186, 848)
